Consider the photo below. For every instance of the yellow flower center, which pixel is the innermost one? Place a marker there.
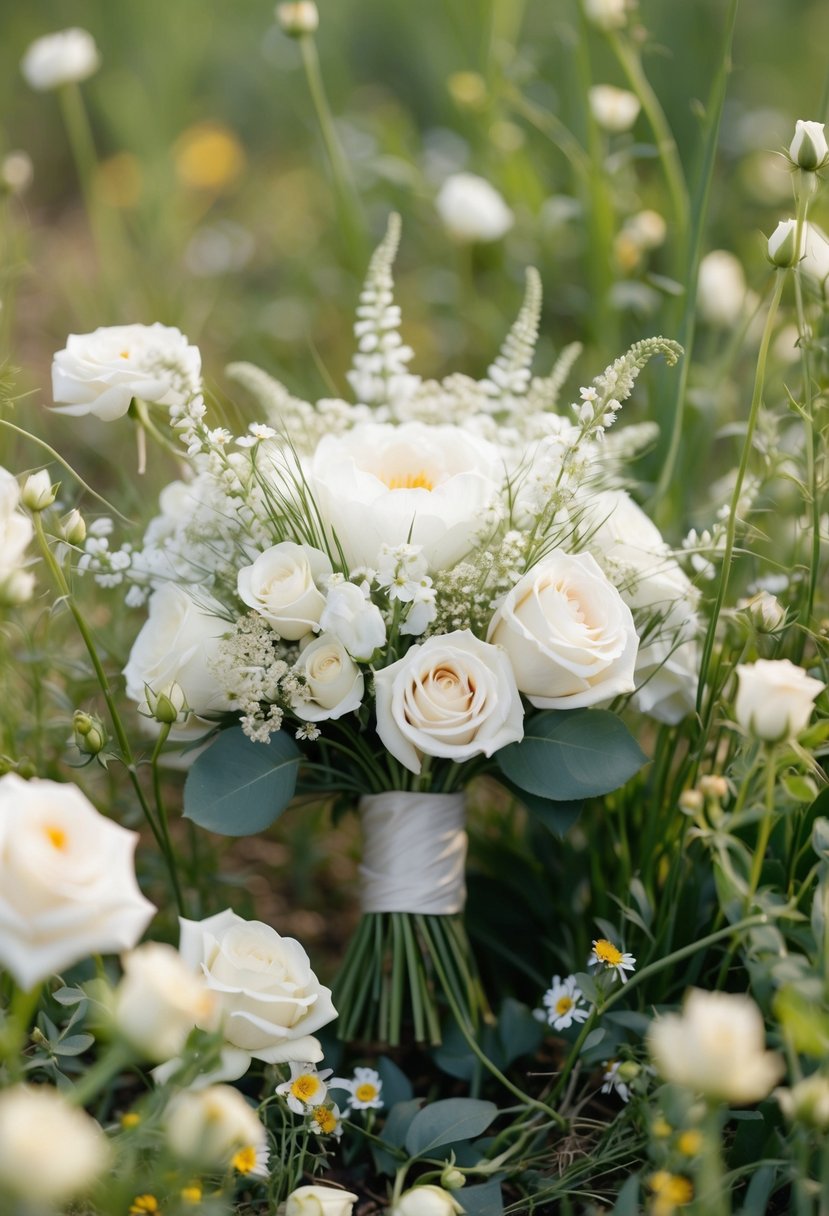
(142, 1204)
(365, 1092)
(130, 1119)
(305, 1086)
(564, 1004)
(689, 1143)
(606, 952)
(245, 1160)
(56, 837)
(410, 481)
(191, 1194)
(325, 1119)
(124, 354)
(671, 1189)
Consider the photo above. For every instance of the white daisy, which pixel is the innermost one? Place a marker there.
(605, 954)
(363, 1089)
(306, 1088)
(326, 1120)
(612, 1081)
(564, 1003)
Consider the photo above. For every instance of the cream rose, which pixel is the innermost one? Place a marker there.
(209, 1126)
(67, 880)
(269, 997)
(716, 1047)
(774, 699)
(50, 1152)
(350, 615)
(62, 58)
(160, 1000)
(101, 372)
(319, 1201)
(426, 1201)
(332, 678)
(568, 633)
(425, 485)
(178, 644)
(281, 586)
(454, 696)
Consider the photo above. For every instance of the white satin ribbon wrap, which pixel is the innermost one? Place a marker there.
(414, 853)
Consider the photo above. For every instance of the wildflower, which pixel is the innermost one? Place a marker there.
(605, 954)
(251, 1159)
(65, 57)
(689, 1142)
(472, 210)
(209, 157)
(327, 1120)
(191, 1194)
(612, 1081)
(563, 1002)
(807, 1102)
(130, 1120)
(606, 14)
(144, 1205)
(364, 1089)
(670, 1191)
(308, 732)
(614, 109)
(298, 17)
(305, 1088)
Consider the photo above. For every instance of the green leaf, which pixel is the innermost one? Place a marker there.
(447, 1121)
(485, 1200)
(572, 756)
(396, 1085)
(237, 787)
(627, 1202)
(399, 1121)
(519, 1032)
(73, 1045)
(558, 817)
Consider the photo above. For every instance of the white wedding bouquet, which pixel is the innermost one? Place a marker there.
(383, 600)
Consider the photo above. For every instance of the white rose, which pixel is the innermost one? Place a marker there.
(607, 14)
(808, 148)
(568, 634)
(332, 678)
(715, 1047)
(269, 997)
(319, 1201)
(281, 587)
(425, 485)
(781, 248)
(721, 289)
(61, 58)
(453, 696)
(815, 255)
(177, 645)
(101, 372)
(38, 492)
(16, 530)
(633, 553)
(472, 210)
(426, 1201)
(50, 1151)
(351, 616)
(67, 881)
(210, 1125)
(613, 109)
(775, 699)
(160, 1000)
(765, 610)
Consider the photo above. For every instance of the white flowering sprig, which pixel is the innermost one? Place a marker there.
(510, 374)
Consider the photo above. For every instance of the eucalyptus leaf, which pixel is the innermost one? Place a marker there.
(484, 1200)
(446, 1121)
(569, 757)
(238, 787)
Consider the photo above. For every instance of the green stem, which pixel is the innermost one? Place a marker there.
(163, 823)
(14, 1029)
(573, 1054)
(731, 527)
(766, 824)
(99, 1075)
(711, 1191)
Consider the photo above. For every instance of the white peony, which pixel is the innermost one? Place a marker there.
(775, 699)
(333, 681)
(178, 644)
(614, 109)
(67, 880)
(160, 1000)
(210, 1126)
(62, 58)
(281, 585)
(568, 633)
(50, 1152)
(716, 1047)
(454, 696)
(350, 616)
(472, 210)
(427, 485)
(319, 1201)
(270, 999)
(101, 372)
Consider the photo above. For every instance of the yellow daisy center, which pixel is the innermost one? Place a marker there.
(142, 1204)
(365, 1092)
(671, 1188)
(245, 1160)
(564, 1004)
(325, 1119)
(191, 1194)
(305, 1086)
(130, 1119)
(124, 354)
(689, 1143)
(56, 836)
(606, 952)
(410, 481)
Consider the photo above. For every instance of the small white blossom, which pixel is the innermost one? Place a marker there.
(564, 1003)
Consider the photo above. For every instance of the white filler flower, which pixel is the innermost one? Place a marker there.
(101, 372)
(66, 57)
(67, 880)
(472, 210)
(716, 1047)
(50, 1152)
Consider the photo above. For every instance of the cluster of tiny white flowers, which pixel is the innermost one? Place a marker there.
(468, 595)
(256, 667)
(401, 573)
(107, 566)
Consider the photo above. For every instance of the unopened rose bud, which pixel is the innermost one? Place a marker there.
(765, 610)
(452, 1179)
(90, 733)
(712, 786)
(809, 149)
(73, 527)
(782, 251)
(38, 491)
(168, 706)
(691, 801)
(16, 588)
(298, 18)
